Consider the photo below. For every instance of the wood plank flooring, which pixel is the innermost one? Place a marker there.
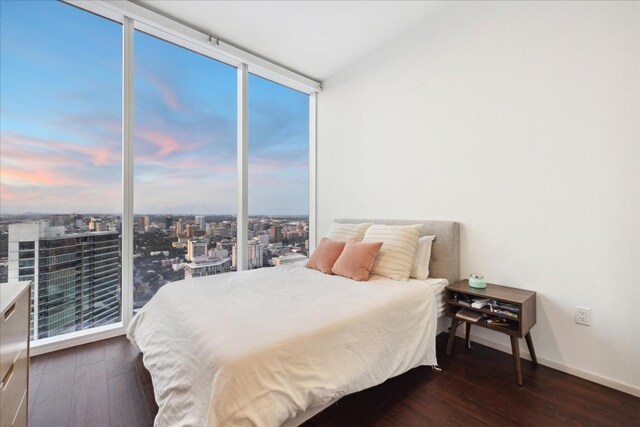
(105, 384)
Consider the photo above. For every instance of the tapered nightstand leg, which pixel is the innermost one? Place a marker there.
(515, 348)
(532, 352)
(452, 334)
(467, 334)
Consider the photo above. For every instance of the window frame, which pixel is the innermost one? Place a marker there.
(134, 17)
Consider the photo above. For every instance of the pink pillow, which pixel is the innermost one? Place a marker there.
(325, 255)
(356, 260)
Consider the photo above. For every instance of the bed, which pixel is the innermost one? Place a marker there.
(275, 346)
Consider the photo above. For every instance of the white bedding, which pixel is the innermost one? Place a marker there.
(260, 347)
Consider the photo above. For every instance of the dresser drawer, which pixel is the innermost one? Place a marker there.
(20, 419)
(14, 332)
(12, 389)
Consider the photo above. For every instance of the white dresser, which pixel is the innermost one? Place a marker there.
(15, 301)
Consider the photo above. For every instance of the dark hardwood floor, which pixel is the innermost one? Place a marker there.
(105, 384)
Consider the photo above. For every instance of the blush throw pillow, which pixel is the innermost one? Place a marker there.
(399, 244)
(325, 255)
(357, 259)
(344, 232)
(420, 269)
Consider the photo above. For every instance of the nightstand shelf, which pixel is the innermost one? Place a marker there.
(523, 303)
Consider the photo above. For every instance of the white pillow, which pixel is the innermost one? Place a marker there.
(420, 269)
(399, 244)
(344, 232)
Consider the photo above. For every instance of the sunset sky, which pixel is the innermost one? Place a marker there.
(60, 113)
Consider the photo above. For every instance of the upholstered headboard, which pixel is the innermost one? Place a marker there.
(445, 252)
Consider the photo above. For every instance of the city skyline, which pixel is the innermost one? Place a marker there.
(61, 123)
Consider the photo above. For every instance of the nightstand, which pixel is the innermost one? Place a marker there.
(511, 311)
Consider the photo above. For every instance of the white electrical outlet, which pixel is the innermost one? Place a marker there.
(583, 316)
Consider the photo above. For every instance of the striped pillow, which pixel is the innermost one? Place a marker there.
(399, 244)
(344, 232)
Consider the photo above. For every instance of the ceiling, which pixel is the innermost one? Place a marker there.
(314, 38)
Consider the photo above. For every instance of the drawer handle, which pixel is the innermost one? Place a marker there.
(7, 378)
(10, 311)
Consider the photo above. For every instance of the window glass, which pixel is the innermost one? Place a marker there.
(185, 165)
(278, 228)
(60, 162)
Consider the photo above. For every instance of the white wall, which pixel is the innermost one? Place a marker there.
(521, 121)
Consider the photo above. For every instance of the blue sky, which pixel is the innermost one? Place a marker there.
(60, 117)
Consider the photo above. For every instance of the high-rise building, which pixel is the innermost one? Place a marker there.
(76, 277)
(275, 232)
(179, 228)
(96, 224)
(255, 255)
(263, 239)
(199, 220)
(196, 248)
(168, 222)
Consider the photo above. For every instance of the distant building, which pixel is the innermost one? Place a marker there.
(287, 259)
(156, 253)
(76, 277)
(263, 239)
(143, 222)
(4, 245)
(78, 221)
(254, 255)
(181, 243)
(275, 233)
(218, 253)
(196, 248)
(168, 222)
(199, 220)
(96, 224)
(207, 268)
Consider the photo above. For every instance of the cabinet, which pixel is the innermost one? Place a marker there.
(15, 308)
(515, 322)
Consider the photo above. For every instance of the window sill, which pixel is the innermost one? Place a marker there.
(60, 342)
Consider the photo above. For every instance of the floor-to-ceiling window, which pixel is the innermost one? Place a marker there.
(184, 163)
(60, 163)
(79, 147)
(278, 157)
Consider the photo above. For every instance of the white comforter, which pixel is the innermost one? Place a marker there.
(257, 348)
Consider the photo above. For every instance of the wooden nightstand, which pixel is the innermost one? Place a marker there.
(516, 321)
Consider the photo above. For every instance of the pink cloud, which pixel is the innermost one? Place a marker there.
(166, 143)
(100, 156)
(166, 91)
(37, 177)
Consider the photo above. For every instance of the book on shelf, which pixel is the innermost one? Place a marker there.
(462, 299)
(469, 315)
(480, 302)
(506, 306)
(497, 321)
(509, 310)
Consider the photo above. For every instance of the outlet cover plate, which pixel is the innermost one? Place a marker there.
(583, 316)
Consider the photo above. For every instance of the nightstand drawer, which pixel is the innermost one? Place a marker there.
(14, 332)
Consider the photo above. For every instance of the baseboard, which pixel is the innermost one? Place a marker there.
(581, 373)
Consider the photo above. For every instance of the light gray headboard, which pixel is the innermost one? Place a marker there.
(445, 252)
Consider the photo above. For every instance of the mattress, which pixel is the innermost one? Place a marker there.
(264, 347)
(438, 286)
